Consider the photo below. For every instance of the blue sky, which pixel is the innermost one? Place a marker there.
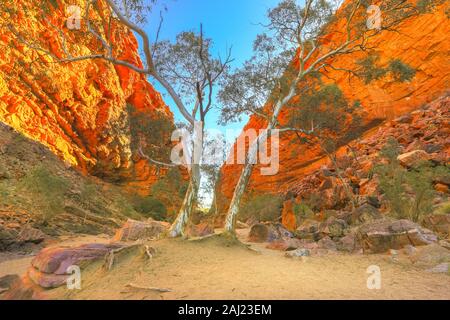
(228, 22)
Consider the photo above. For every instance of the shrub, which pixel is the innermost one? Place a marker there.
(264, 207)
(150, 207)
(410, 193)
(47, 190)
(302, 211)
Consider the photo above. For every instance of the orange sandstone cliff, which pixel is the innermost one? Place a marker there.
(78, 110)
(422, 42)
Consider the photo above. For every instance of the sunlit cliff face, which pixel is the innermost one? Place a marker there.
(421, 42)
(78, 110)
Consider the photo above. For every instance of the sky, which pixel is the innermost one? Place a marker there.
(228, 22)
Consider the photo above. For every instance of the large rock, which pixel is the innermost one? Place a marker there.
(430, 256)
(29, 234)
(309, 229)
(439, 223)
(364, 214)
(348, 243)
(413, 158)
(49, 269)
(137, 230)
(333, 227)
(268, 232)
(381, 235)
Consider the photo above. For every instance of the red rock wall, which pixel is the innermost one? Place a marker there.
(78, 110)
(422, 42)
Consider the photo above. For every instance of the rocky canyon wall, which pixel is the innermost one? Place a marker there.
(421, 42)
(79, 109)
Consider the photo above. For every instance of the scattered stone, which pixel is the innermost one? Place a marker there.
(365, 214)
(413, 158)
(29, 234)
(298, 253)
(409, 250)
(8, 281)
(429, 256)
(440, 268)
(286, 245)
(348, 243)
(333, 227)
(137, 230)
(327, 243)
(439, 223)
(268, 232)
(381, 235)
(308, 230)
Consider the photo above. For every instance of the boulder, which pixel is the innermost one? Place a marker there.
(268, 232)
(364, 214)
(49, 268)
(413, 158)
(138, 230)
(382, 235)
(7, 237)
(430, 256)
(8, 281)
(309, 229)
(440, 268)
(29, 234)
(333, 227)
(327, 243)
(286, 244)
(439, 223)
(298, 253)
(348, 243)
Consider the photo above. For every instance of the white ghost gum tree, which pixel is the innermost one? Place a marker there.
(296, 49)
(186, 69)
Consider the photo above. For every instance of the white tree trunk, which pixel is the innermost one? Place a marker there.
(233, 210)
(190, 199)
(230, 221)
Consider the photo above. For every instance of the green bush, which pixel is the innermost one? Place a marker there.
(302, 211)
(150, 207)
(47, 190)
(410, 193)
(263, 207)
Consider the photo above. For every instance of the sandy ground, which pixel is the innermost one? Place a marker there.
(213, 269)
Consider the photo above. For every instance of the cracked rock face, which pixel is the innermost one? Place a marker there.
(383, 235)
(422, 42)
(78, 110)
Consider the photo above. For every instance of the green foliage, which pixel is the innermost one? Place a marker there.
(302, 211)
(150, 133)
(150, 207)
(47, 190)
(170, 190)
(401, 71)
(264, 207)
(369, 70)
(410, 193)
(443, 209)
